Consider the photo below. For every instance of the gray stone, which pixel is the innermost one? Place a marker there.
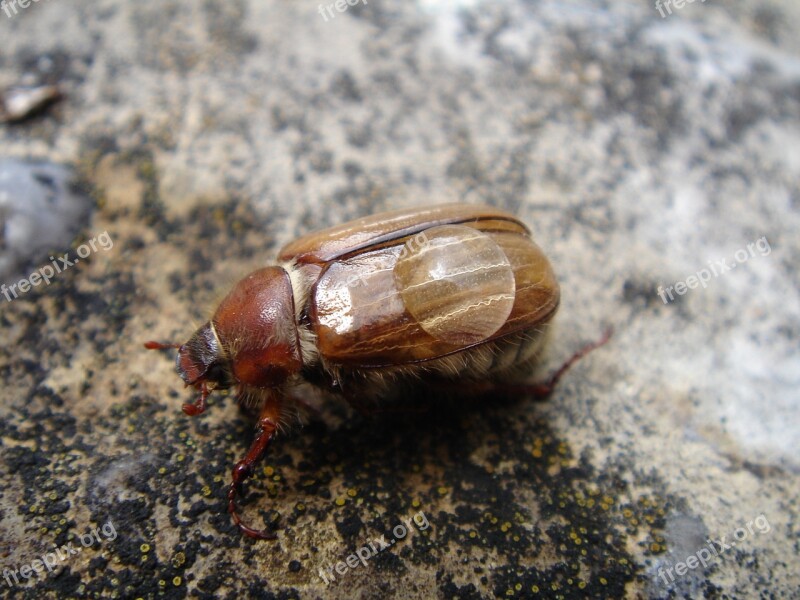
(642, 150)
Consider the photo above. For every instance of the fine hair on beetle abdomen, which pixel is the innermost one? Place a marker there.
(506, 359)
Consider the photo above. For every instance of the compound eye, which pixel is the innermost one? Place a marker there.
(456, 282)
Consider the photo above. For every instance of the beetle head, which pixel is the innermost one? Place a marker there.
(251, 341)
(201, 364)
(200, 360)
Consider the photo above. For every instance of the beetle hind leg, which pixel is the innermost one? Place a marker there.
(545, 388)
(267, 428)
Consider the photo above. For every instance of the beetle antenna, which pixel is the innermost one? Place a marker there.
(160, 346)
(267, 427)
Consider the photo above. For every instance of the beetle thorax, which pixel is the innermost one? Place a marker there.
(257, 331)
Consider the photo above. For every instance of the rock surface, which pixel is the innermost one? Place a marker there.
(643, 151)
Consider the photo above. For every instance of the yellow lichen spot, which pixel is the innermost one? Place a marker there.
(352, 492)
(627, 513)
(217, 478)
(62, 522)
(206, 491)
(144, 557)
(145, 548)
(162, 583)
(505, 527)
(176, 581)
(442, 490)
(634, 522)
(162, 470)
(583, 551)
(573, 535)
(603, 581)
(581, 584)
(178, 559)
(535, 589)
(32, 508)
(268, 471)
(509, 592)
(554, 586)
(654, 547)
(182, 435)
(276, 478)
(537, 453)
(180, 458)
(608, 500)
(623, 561)
(590, 503)
(299, 507)
(518, 587)
(494, 520)
(604, 506)
(340, 501)
(515, 538)
(415, 503)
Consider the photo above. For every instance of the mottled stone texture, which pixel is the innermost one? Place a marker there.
(638, 148)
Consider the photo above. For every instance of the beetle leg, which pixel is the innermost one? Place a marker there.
(199, 406)
(267, 426)
(546, 387)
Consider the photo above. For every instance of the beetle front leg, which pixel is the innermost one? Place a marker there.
(267, 427)
(199, 406)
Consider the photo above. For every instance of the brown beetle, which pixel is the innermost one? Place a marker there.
(452, 293)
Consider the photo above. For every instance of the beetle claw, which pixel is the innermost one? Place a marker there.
(245, 529)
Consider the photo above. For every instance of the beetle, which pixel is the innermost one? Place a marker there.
(453, 294)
